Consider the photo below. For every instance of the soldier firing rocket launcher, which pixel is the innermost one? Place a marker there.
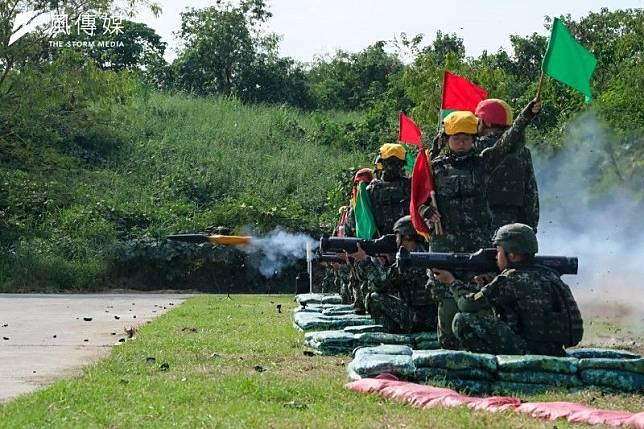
(482, 261)
(383, 245)
(226, 240)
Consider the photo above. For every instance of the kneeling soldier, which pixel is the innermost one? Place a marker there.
(398, 300)
(534, 311)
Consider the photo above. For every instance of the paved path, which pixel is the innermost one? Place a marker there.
(44, 337)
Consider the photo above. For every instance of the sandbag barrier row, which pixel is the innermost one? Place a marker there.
(479, 373)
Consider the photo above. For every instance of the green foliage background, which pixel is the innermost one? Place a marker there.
(104, 152)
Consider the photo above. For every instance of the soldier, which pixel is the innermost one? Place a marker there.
(460, 178)
(534, 311)
(397, 300)
(390, 194)
(512, 192)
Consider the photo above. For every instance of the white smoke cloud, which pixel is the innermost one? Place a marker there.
(277, 250)
(605, 229)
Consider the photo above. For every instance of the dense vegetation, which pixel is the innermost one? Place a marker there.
(104, 150)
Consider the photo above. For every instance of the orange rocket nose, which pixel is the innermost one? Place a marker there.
(228, 240)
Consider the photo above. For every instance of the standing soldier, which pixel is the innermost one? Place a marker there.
(512, 192)
(460, 178)
(390, 194)
(534, 311)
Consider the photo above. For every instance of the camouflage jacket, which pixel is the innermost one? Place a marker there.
(532, 300)
(460, 183)
(511, 190)
(408, 284)
(390, 201)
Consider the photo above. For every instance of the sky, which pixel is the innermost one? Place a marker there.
(311, 28)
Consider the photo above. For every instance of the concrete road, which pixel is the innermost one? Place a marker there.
(44, 337)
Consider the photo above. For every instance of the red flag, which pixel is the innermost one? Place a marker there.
(409, 132)
(422, 186)
(460, 94)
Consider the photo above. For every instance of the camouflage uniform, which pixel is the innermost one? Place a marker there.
(460, 183)
(512, 192)
(533, 312)
(327, 284)
(390, 201)
(398, 299)
(341, 279)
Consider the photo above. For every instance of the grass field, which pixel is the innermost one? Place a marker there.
(239, 363)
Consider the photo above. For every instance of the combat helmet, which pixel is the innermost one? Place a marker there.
(516, 238)
(405, 228)
(460, 122)
(494, 112)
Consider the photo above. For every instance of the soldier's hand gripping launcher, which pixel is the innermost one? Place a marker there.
(228, 240)
(482, 261)
(383, 245)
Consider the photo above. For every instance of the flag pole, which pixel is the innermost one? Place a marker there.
(539, 87)
(438, 227)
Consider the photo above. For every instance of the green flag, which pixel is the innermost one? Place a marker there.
(568, 61)
(365, 222)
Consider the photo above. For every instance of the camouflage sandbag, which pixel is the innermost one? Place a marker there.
(631, 365)
(538, 377)
(427, 345)
(597, 353)
(371, 365)
(424, 336)
(423, 374)
(307, 322)
(318, 298)
(624, 381)
(330, 339)
(564, 365)
(364, 328)
(471, 387)
(510, 388)
(454, 360)
(385, 349)
(336, 311)
(376, 338)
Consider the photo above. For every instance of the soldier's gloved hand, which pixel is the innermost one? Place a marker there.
(483, 279)
(532, 109)
(429, 213)
(360, 255)
(444, 276)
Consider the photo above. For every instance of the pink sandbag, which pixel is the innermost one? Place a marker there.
(426, 396)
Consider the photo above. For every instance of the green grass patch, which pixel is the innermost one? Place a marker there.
(243, 367)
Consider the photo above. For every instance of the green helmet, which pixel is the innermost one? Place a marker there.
(405, 228)
(516, 238)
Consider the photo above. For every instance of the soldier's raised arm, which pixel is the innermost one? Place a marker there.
(513, 139)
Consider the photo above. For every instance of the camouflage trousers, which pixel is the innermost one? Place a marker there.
(398, 317)
(480, 333)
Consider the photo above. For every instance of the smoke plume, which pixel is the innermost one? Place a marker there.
(277, 250)
(602, 225)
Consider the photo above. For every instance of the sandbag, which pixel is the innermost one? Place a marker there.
(371, 365)
(631, 365)
(375, 338)
(306, 322)
(364, 328)
(424, 336)
(597, 353)
(624, 381)
(453, 359)
(510, 387)
(539, 377)
(318, 298)
(331, 338)
(336, 311)
(422, 374)
(385, 349)
(427, 345)
(471, 387)
(564, 365)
